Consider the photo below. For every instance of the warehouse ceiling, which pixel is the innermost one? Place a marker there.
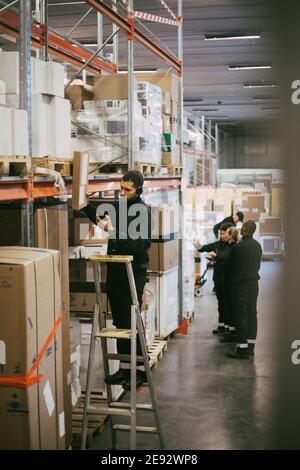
(210, 88)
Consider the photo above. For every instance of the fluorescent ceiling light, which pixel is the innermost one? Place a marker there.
(262, 98)
(248, 67)
(230, 37)
(260, 85)
(208, 110)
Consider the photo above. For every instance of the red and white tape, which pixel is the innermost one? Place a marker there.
(168, 9)
(157, 19)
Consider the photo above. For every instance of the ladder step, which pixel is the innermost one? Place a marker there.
(139, 406)
(122, 357)
(113, 333)
(126, 427)
(108, 411)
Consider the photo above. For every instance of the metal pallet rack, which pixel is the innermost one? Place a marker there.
(37, 34)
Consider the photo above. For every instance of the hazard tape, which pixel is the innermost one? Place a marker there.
(25, 381)
(155, 18)
(168, 9)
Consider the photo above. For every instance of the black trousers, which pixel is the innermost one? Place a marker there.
(218, 291)
(226, 293)
(245, 295)
(119, 297)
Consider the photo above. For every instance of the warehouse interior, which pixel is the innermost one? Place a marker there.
(185, 93)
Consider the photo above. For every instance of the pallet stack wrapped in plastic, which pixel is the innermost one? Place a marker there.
(102, 128)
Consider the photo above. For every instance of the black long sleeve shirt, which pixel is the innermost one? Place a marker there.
(128, 237)
(227, 220)
(220, 248)
(244, 260)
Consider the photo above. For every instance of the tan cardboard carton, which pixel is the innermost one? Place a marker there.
(164, 255)
(31, 417)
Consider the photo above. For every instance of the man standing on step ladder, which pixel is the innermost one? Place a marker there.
(129, 228)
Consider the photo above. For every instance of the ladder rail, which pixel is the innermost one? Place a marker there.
(141, 335)
(137, 331)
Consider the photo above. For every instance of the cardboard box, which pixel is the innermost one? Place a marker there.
(256, 201)
(115, 87)
(164, 288)
(59, 127)
(81, 270)
(32, 417)
(174, 110)
(270, 225)
(2, 92)
(166, 102)
(166, 124)
(164, 255)
(278, 200)
(167, 158)
(166, 81)
(20, 132)
(40, 126)
(83, 297)
(165, 221)
(5, 131)
(80, 180)
(78, 93)
(54, 79)
(51, 231)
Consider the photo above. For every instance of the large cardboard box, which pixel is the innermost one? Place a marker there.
(5, 131)
(85, 231)
(166, 103)
(165, 221)
(78, 93)
(59, 127)
(278, 200)
(166, 124)
(19, 132)
(51, 231)
(40, 125)
(163, 255)
(270, 225)
(115, 87)
(30, 305)
(80, 179)
(2, 92)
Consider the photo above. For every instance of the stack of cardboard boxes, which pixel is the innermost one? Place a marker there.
(31, 364)
(163, 270)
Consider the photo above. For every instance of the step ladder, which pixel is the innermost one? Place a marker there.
(99, 330)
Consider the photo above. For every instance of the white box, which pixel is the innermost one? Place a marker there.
(54, 79)
(164, 287)
(5, 131)
(59, 129)
(19, 132)
(38, 75)
(2, 92)
(9, 72)
(13, 100)
(40, 125)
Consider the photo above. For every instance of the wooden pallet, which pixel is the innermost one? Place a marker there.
(64, 167)
(14, 166)
(147, 169)
(166, 338)
(155, 351)
(173, 170)
(96, 422)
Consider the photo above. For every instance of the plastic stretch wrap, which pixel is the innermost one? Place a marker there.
(108, 119)
(148, 316)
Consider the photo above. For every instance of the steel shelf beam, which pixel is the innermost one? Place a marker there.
(58, 46)
(126, 25)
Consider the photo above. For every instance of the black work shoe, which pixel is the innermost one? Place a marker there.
(239, 353)
(219, 331)
(141, 378)
(230, 338)
(251, 349)
(118, 378)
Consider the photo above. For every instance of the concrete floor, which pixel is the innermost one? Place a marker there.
(206, 400)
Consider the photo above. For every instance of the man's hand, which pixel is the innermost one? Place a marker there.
(212, 254)
(105, 223)
(196, 244)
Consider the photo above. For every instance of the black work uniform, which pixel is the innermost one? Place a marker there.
(120, 243)
(218, 247)
(244, 265)
(226, 292)
(227, 220)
